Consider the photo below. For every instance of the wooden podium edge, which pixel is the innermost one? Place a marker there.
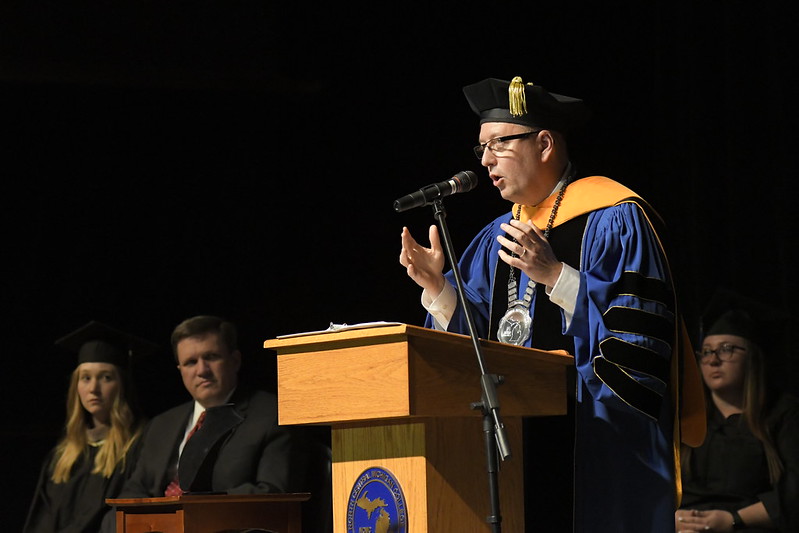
(415, 361)
(398, 333)
(209, 498)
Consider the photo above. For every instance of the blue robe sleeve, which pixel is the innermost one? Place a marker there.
(477, 266)
(623, 323)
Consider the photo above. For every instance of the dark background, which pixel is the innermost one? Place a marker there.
(167, 159)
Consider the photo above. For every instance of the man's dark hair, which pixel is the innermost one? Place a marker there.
(202, 325)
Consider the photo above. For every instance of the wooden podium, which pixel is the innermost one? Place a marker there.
(399, 398)
(211, 513)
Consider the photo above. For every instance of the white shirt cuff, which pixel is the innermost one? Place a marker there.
(564, 293)
(441, 308)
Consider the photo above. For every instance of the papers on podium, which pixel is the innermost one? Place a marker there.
(333, 328)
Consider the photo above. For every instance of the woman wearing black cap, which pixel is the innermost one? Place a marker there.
(96, 454)
(743, 477)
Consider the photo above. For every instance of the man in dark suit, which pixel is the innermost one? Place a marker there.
(239, 447)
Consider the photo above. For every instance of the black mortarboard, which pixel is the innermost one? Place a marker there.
(525, 103)
(733, 322)
(96, 342)
(731, 313)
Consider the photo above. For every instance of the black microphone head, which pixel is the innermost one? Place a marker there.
(466, 180)
(463, 181)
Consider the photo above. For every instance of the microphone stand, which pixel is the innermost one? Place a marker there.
(496, 442)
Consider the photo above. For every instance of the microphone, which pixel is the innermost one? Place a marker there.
(463, 181)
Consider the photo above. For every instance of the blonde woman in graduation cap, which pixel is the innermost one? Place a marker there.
(99, 446)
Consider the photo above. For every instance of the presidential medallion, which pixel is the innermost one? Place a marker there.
(516, 326)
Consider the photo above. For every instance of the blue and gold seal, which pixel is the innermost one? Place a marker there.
(377, 504)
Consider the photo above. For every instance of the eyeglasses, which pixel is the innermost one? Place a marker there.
(499, 144)
(723, 352)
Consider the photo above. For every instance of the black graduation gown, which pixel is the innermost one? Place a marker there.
(78, 505)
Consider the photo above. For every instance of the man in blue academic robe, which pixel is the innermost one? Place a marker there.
(580, 265)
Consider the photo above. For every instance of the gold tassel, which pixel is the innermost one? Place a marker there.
(516, 97)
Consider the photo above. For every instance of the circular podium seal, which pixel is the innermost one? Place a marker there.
(377, 504)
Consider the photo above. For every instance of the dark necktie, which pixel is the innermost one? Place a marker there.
(173, 489)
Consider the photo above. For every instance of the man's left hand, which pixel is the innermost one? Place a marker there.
(533, 254)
